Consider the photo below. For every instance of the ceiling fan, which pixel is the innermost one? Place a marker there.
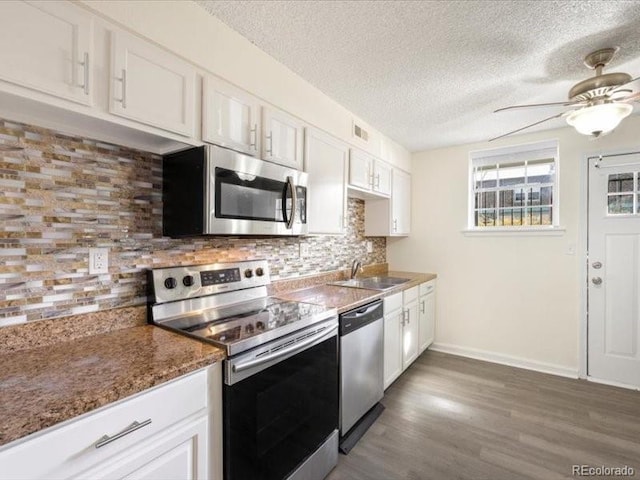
(598, 104)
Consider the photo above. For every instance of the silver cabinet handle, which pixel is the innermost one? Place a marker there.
(124, 88)
(106, 439)
(378, 181)
(597, 265)
(395, 224)
(270, 138)
(422, 307)
(596, 280)
(85, 66)
(253, 134)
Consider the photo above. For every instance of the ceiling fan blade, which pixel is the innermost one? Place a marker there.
(552, 104)
(529, 126)
(626, 86)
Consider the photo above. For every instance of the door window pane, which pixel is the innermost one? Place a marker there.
(621, 182)
(620, 204)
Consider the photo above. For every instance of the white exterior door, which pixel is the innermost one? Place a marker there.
(151, 86)
(325, 162)
(230, 117)
(614, 269)
(47, 46)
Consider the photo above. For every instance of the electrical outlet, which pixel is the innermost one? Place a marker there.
(98, 260)
(304, 250)
(369, 246)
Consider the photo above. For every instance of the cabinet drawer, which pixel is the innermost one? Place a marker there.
(410, 294)
(427, 287)
(392, 303)
(65, 450)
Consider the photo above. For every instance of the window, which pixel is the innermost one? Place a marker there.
(514, 187)
(623, 195)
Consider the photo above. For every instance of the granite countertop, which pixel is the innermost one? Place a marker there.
(43, 386)
(348, 298)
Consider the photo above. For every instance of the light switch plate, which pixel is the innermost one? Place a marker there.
(369, 246)
(98, 260)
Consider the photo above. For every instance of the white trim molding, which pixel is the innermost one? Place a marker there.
(531, 231)
(509, 360)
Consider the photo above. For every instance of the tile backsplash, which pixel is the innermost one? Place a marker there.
(61, 195)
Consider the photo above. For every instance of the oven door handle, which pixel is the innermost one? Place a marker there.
(295, 348)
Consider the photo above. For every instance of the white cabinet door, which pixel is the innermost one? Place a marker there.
(151, 86)
(325, 162)
(230, 117)
(392, 346)
(179, 453)
(401, 203)
(382, 178)
(282, 137)
(47, 46)
(427, 316)
(410, 334)
(360, 169)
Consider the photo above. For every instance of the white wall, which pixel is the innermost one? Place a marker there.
(509, 296)
(189, 31)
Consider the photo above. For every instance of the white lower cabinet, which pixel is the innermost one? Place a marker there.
(393, 330)
(410, 327)
(427, 314)
(165, 432)
(400, 333)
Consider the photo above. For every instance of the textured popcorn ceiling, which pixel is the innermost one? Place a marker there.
(429, 74)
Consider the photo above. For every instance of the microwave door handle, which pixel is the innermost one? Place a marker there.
(289, 220)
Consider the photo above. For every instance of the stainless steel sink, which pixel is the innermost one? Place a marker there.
(372, 283)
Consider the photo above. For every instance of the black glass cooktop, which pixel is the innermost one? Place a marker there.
(246, 325)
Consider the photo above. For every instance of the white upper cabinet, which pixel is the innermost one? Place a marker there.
(47, 46)
(401, 203)
(382, 178)
(390, 217)
(360, 169)
(325, 162)
(230, 117)
(151, 86)
(369, 174)
(282, 138)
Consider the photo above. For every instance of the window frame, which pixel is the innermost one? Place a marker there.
(515, 154)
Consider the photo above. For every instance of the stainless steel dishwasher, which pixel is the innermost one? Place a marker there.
(361, 371)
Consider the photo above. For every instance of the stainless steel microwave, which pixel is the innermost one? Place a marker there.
(210, 190)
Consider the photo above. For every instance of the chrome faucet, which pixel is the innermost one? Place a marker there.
(356, 267)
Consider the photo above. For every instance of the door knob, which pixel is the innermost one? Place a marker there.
(596, 281)
(596, 265)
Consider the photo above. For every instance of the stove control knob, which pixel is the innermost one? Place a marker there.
(187, 280)
(248, 273)
(170, 283)
(259, 271)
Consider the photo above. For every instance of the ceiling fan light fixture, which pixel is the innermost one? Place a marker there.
(599, 119)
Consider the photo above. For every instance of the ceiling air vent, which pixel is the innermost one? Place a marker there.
(360, 132)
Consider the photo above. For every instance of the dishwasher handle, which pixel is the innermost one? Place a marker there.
(360, 317)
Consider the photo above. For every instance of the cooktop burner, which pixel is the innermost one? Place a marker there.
(227, 304)
(242, 326)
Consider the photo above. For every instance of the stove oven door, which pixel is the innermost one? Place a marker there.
(276, 417)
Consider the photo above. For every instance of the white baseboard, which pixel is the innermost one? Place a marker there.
(502, 359)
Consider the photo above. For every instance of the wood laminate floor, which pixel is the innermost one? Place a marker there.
(449, 417)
